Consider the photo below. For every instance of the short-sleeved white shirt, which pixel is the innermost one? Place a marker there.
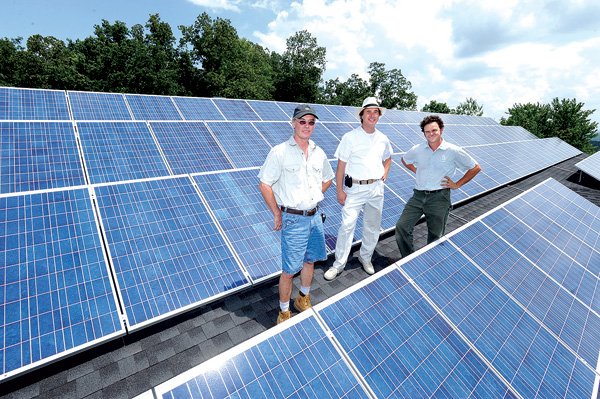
(297, 181)
(432, 166)
(364, 153)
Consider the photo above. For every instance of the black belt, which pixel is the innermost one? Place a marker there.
(293, 211)
(431, 191)
(368, 181)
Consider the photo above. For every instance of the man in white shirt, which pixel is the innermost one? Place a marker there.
(434, 162)
(293, 179)
(364, 160)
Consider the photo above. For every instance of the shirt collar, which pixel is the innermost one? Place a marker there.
(292, 142)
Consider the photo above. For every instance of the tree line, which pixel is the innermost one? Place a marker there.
(211, 60)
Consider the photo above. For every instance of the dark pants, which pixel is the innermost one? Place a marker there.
(435, 205)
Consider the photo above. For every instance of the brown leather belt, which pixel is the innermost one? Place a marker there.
(368, 181)
(293, 211)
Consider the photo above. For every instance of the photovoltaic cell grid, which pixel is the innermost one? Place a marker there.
(98, 106)
(198, 109)
(268, 110)
(38, 156)
(239, 208)
(117, 151)
(189, 147)
(166, 251)
(236, 110)
(55, 289)
(242, 143)
(274, 132)
(404, 348)
(145, 107)
(591, 165)
(299, 362)
(32, 104)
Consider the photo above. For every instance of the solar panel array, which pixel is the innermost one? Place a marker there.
(163, 191)
(591, 165)
(500, 308)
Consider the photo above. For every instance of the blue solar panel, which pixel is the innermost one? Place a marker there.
(323, 113)
(242, 142)
(298, 362)
(98, 106)
(533, 360)
(116, 151)
(339, 129)
(198, 109)
(236, 110)
(274, 132)
(152, 108)
(591, 165)
(38, 155)
(342, 113)
(55, 290)
(400, 180)
(32, 104)
(239, 208)
(269, 111)
(325, 139)
(189, 147)
(403, 347)
(166, 251)
(399, 142)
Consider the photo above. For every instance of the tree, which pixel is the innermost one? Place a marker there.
(469, 107)
(229, 66)
(350, 92)
(10, 49)
(392, 88)
(299, 70)
(565, 119)
(435, 107)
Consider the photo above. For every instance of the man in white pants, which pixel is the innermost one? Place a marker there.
(364, 160)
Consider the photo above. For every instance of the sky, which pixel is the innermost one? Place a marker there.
(500, 53)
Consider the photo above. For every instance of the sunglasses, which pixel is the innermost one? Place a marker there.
(304, 122)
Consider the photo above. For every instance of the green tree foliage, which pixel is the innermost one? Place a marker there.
(350, 92)
(229, 66)
(565, 119)
(392, 88)
(9, 53)
(299, 70)
(435, 107)
(469, 107)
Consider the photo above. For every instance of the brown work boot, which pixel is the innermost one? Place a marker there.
(302, 302)
(283, 316)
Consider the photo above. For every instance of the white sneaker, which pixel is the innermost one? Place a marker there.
(367, 265)
(331, 273)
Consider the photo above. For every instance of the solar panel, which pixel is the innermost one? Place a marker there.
(274, 132)
(189, 147)
(241, 142)
(116, 151)
(33, 104)
(268, 110)
(197, 109)
(323, 113)
(38, 156)
(152, 108)
(239, 208)
(55, 291)
(98, 106)
(167, 253)
(591, 165)
(236, 110)
(342, 113)
(403, 347)
(297, 362)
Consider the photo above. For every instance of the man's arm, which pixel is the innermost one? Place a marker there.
(469, 174)
(386, 168)
(269, 196)
(409, 166)
(326, 185)
(340, 172)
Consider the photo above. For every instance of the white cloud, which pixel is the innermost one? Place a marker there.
(228, 5)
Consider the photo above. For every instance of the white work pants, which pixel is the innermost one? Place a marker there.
(369, 199)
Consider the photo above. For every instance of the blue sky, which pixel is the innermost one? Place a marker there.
(499, 52)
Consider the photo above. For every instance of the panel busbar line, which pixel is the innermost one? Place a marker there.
(166, 252)
(33, 104)
(98, 106)
(55, 286)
